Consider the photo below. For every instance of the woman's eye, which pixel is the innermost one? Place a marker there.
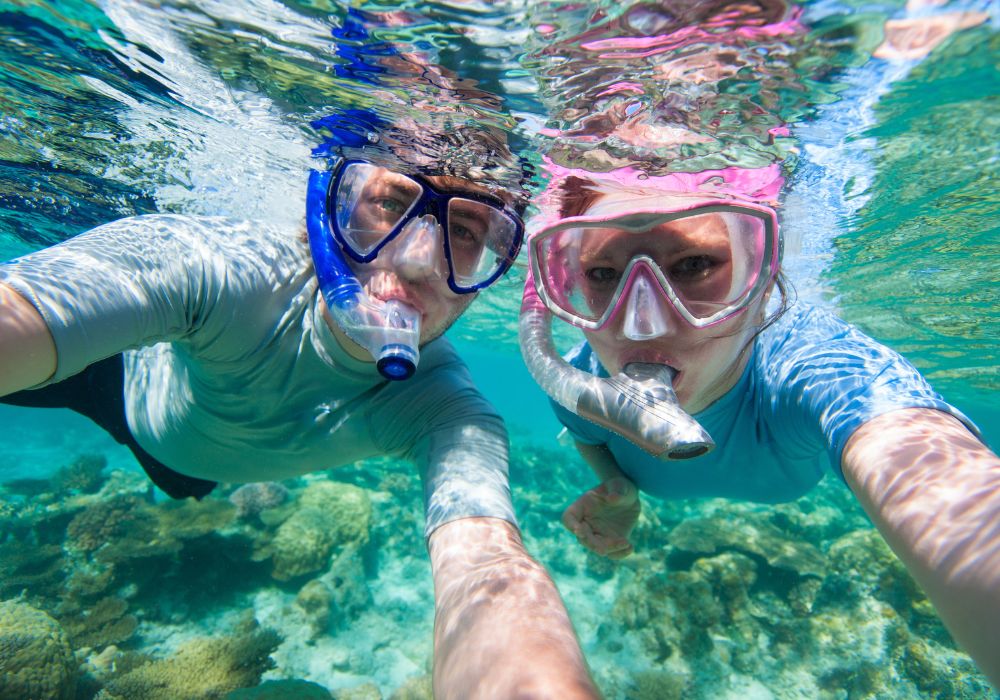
(693, 266)
(602, 275)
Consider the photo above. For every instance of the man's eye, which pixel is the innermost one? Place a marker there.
(463, 233)
(602, 275)
(390, 205)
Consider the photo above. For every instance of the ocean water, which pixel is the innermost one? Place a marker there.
(117, 108)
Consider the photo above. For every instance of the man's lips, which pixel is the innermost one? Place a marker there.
(383, 290)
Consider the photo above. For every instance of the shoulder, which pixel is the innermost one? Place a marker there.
(228, 232)
(805, 332)
(583, 357)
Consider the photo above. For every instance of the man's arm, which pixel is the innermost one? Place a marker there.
(500, 628)
(933, 491)
(27, 352)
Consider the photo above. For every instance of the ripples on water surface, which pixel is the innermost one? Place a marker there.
(118, 108)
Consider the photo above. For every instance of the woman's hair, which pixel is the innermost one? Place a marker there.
(576, 195)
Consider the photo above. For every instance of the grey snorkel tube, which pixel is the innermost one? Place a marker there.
(639, 403)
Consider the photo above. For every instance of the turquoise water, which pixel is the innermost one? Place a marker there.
(115, 108)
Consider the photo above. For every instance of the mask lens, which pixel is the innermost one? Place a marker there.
(480, 238)
(709, 262)
(370, 203)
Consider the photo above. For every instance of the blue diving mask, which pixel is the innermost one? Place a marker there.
(359, 208)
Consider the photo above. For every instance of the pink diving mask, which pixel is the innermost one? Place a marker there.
(708, 259)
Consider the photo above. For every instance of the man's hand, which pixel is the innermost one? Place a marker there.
(602, 519)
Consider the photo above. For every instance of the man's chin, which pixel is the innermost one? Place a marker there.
(432, 332)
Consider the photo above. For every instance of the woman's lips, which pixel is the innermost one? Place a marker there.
(649, 356)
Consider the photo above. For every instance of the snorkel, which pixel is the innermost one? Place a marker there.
(389, 330)
(639, 403)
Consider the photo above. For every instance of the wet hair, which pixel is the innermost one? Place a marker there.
(576, 196)
(444, 144)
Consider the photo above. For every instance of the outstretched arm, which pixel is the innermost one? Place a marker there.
(933, 491)
(27, 353)
(500, 628)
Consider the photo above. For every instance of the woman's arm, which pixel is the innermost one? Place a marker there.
(500, 628)
(602, 518)
(27, 352)
(933, 491)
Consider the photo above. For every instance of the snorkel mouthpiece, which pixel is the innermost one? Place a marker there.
(639, 403)
(642, 397)
(397, 357)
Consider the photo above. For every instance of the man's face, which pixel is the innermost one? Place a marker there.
(412, 268)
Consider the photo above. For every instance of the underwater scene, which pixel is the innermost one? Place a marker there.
(883, 119)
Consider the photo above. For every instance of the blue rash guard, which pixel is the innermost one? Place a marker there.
(811, 381)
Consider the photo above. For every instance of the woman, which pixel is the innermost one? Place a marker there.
(690, 384)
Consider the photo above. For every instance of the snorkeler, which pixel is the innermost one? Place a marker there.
(225, 350)
(687, 386)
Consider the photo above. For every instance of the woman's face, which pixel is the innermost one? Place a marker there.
(696, 257)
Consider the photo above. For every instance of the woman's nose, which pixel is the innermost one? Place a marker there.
(418, 252)
(647, 313)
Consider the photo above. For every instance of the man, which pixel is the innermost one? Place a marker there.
(222, 350)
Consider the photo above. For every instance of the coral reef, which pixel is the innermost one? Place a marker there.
(99, 625)
(110, 521)
(329, 515)
(253, 499)
(367, 691)
(202, 669)
(190, 519)
(36, 570)
(281, 690)
(751, 535)
(35, 657)
(85, 474)
(419, 688)
(721, 599)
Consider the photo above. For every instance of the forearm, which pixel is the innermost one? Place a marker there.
(27, 352)
(933, 491)
(500, 629)
(600, 460)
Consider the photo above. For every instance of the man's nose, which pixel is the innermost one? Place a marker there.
(419, 250)
(647, 313)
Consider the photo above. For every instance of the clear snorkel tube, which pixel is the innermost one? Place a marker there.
(639, 403)
(389, 330)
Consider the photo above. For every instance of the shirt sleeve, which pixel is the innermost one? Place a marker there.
(840, 379)
(458, 439)
(113, 288)
(149, 279)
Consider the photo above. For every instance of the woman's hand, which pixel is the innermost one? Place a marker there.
(602, 519)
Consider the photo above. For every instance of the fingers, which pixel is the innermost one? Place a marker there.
(611, 547)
